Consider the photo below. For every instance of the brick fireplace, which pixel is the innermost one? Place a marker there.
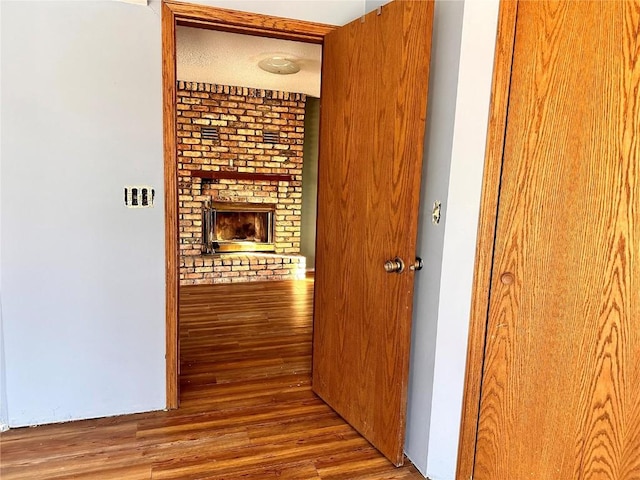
(240, 155)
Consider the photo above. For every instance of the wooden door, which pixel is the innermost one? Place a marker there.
(561, 382)
(374, 95)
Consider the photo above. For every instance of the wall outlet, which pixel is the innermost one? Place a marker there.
(139, 196)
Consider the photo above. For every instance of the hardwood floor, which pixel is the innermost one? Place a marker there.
(247, 410)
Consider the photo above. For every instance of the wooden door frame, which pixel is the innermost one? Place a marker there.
(496, 133)
(183, 14)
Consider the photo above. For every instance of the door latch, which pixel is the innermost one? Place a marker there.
(417, 265)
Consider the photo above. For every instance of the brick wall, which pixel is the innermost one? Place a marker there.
(241, 117)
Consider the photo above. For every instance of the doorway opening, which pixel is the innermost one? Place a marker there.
(176, 15)
(246, 165)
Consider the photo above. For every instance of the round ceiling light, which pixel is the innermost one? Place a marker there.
(279, 65)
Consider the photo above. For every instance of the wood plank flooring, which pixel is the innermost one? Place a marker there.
(247, 410)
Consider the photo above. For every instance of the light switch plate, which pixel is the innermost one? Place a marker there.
(139, 196)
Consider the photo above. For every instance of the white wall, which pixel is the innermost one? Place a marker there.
(4, 412)
(82, 276)
(443, 82)
(479, 26)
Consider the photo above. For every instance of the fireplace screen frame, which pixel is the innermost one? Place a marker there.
(210, 242)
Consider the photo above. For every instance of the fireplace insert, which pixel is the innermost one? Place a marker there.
(237, 227)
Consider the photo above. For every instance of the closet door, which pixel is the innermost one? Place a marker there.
(560, 397)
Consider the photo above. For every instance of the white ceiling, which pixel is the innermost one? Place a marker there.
(211, 56)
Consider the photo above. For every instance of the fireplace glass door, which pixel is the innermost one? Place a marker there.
(238, 227)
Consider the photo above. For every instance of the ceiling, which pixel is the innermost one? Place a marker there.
(211, 56)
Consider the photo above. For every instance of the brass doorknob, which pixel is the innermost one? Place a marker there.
(394, 266)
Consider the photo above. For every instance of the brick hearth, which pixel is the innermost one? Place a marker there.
(232, 268)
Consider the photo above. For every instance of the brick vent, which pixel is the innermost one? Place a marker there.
(242, 116)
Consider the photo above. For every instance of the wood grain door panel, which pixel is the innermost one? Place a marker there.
(374, 93)
(561, 383)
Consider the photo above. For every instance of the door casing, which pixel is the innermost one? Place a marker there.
(183, 14)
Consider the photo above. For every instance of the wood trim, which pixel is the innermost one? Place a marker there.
(264, 177)
(173, 14)
(201, 16)
(486, 236)
(170, 202)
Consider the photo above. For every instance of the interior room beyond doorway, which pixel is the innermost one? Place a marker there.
(247, 156)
